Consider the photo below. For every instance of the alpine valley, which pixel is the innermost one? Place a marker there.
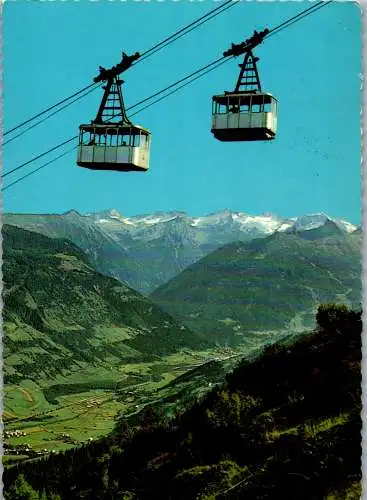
(114, 322)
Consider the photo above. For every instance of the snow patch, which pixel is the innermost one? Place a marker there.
(284, 227)
(350, 228)
(310, 221)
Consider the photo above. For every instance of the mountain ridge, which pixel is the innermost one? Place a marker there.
(148, 250)
(58, 309)
(266, 284)
(161, 216)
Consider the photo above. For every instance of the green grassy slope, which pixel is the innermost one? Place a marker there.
(61, 315)
(79, 347)
(104, 253)
(268, 284)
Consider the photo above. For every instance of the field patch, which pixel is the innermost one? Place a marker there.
(84, 405)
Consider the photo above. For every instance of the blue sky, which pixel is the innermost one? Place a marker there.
(52, 49)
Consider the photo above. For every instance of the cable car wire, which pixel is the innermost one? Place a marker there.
(174, 84)
(275, 30)
(39, 168)
(131, 107)
(136, 112)
(231, 2)
(167, 41)
(208, 68)
(135, 105)
(156, 48)
(215, 63)
(39, 156)
(298, 17)
(49, 116)
(227, 5)
(218, 63)
(49, 109)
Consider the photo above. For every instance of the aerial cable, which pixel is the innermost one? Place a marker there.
(39, 156)
(257, 38)
(157, 47)
(175, 83)
(50, 108)
(297, 17)
(195, 24)
(49, 116)
(135, 105)
(218, 63)
(37, 169)
(136, 112)
(167, 41)
(208, 68)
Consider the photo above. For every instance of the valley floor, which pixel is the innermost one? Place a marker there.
(58, 415)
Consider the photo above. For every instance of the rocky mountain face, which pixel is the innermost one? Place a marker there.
(60, 315)
(270, 284)
(146, 251)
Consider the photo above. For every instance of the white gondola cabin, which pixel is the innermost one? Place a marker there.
(247, 113)
(112, 141)
(244, 117)
(113, 147)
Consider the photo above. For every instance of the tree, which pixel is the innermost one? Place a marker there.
(331, 315)
(21, 490)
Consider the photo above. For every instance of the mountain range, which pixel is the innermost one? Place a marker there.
(72, 328)
(146, 251)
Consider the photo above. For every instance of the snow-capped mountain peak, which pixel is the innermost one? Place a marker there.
(313, 221)
(223, 220)
(310, 221)
(115, 214)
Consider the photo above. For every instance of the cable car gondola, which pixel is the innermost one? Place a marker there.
(111, 141)
(247, 113)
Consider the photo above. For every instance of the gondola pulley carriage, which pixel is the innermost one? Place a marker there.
(112, 141)
(247, 113)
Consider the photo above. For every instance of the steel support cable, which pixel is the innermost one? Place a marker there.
(275, 30)
(49, 109)
(298, 17)
(37, 169)
(156, 48)
(127, 109)
(175, 83)
(221, 60)
(48, 116)
(216, 63)
(136, 112)
(210, 15)
(167, 41)
(39, 156)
